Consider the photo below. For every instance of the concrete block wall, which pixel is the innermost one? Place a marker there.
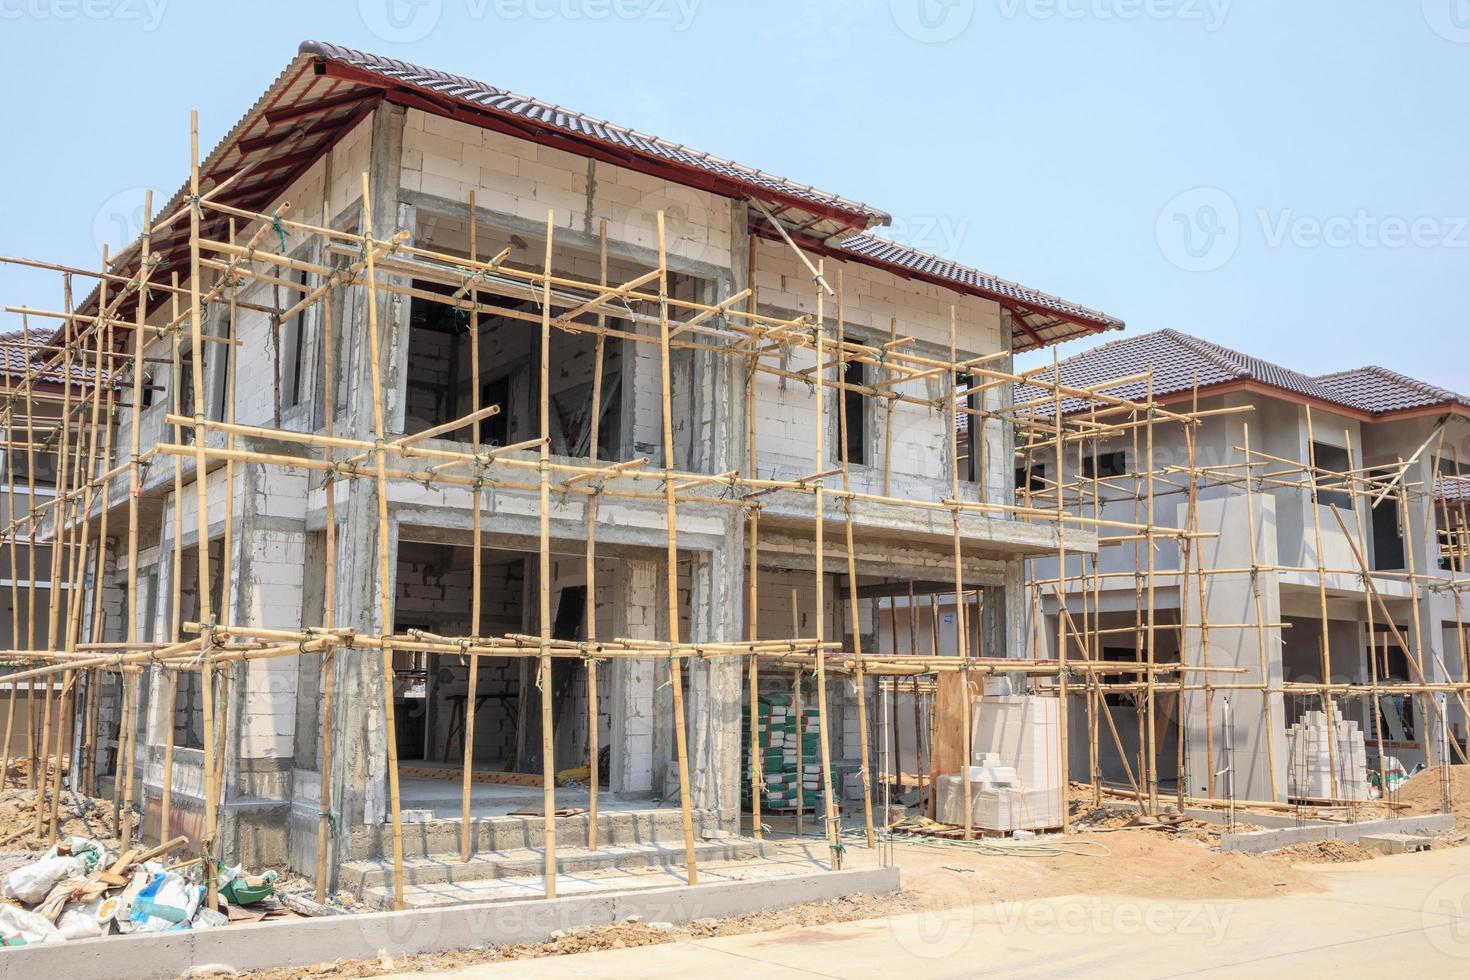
(446, 158)
(430, 395)
(274, 563)
(785, 425)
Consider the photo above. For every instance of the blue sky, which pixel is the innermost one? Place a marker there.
(1289, 178)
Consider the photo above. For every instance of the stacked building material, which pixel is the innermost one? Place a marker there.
(1311, 757)
(776, 728)
(1015, 771)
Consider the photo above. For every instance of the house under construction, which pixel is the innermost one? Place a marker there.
(433, 441)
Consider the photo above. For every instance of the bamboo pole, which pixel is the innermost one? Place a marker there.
(1267, 721)
(590, 508)
(757, 760)
(466, 828)
(1063, 746)
(797, 706)
(543, 670)
(671, 560)
(176, 604)
(852, 588)
(385, 577)
(329, 597)
(832, 828)
(201, 490)
(961, 630)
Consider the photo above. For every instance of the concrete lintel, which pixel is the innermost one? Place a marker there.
(304, 942)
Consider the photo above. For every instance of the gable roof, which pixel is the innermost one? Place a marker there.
(1377, 390)
(17, 360)
(1180, 360)
(327, 89)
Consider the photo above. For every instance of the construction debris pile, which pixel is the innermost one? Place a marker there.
(83, 889)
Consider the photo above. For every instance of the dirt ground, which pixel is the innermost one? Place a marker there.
(1424, 793)
(77, 816)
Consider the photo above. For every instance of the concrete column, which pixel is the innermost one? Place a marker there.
(716, 610)
(359, 762)
(636, 614)
(1231, 599)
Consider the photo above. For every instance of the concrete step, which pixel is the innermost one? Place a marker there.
(433, 880)
(431, 838)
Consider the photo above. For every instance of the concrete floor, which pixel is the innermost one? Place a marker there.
(1403, 916)
(497, 800)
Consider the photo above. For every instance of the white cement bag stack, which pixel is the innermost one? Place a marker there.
(1309, 771)
(1016, 767)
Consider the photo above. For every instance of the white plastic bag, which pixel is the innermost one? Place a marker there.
(92, 853)
(21, 928)
(74, 924)
(210, 919)
(33, 882)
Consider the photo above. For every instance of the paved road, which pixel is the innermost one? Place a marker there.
(1402, 916)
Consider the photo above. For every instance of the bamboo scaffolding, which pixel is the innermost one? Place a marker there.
(75, 425)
